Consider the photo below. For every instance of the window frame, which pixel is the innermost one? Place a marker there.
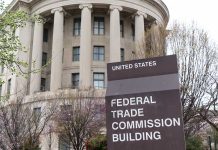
(75, 28)
(43, 85)
(99, 21)
(76, 56)
(75, 80)
(37, 111)
(122, 54)
(98, 80)
(98, 55)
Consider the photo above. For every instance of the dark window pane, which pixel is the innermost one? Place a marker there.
(37, 112)
(77, 26)
(44, 59)
(133, 31)
(75, 80)
(122, 54)
(43, 84)
(45, 35)
(76, 53)
(98, 53)
(121, 28)
(99, 26)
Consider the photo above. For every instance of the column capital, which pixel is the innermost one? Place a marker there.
(140, 13)
(60, 9)
(39, 19)
(112, 7)
(89, 6)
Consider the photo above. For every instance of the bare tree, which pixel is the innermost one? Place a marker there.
(21, 126)
(209, 111)
(195, 53)
(80, 118)
(154, 43)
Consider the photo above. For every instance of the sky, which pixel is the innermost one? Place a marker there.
(203, 13)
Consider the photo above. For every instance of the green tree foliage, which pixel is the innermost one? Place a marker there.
(194, 143)
(9, 41)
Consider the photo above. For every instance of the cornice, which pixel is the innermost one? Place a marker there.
(16, 3)
(158, 4)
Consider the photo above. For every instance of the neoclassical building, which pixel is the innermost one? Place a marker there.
(76, 41)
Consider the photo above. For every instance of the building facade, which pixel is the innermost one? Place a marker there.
(72, 46)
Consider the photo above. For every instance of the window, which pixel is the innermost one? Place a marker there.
(44, 58)
(43, 83)
(64, 143)
(98, 53)
(76, 53)
(45, 35)
(122, 55)
(37, 111)
(98, 26)
(37, 114)
(75, 80)
(98, 80)
(76, 26)
(121, 28)
(133, 31)
(9, 87)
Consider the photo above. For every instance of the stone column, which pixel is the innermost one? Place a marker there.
(139, 26)
(19, 84)
(158, 38)
(57, 49)
(115, 33)
(140, 33)
(85, 46)
(35, 80)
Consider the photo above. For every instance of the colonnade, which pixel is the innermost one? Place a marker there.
(85, 45)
